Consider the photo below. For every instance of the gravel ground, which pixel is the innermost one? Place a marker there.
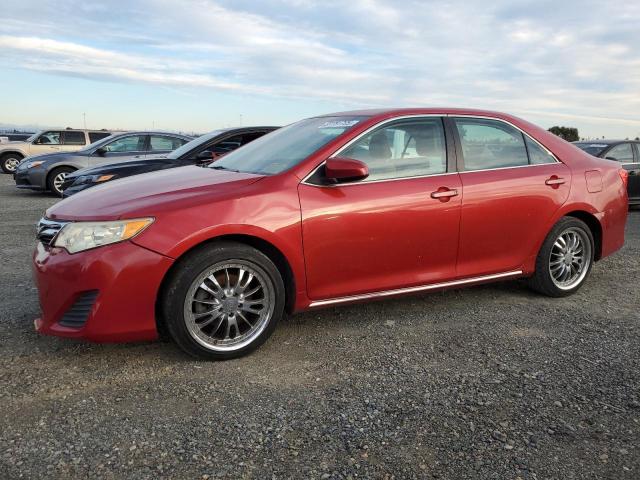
(488, 382)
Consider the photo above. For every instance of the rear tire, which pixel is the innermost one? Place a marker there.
(565, 259)
(222, 301)
(10, 161)
(55, 179)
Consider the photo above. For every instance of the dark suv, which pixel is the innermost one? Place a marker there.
(627, 152)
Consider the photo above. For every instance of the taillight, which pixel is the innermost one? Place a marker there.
(624, 175)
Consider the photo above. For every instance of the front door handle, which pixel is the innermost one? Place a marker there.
(554, 180)
(444, 194)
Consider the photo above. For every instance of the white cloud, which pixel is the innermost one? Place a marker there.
(536, 58)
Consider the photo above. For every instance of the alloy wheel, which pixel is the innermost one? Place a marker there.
(11, 164)
(229, 305)
(58, 180)
(570, 258)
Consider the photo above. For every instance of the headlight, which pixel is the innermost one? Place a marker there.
(92, 179)
(34, 164)
(79, 236)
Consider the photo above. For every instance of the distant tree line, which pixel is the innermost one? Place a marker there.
(570, 134)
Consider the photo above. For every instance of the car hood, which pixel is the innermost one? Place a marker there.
(138, 164)
(52, 157)
(149, 194)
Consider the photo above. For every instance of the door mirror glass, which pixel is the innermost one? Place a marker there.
(101, 152)
(345, 169)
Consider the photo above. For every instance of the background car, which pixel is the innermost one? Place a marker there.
(326, 211)
(202, 150)
(47, 172)
(47, 141)
(626, 152)
(14, 137)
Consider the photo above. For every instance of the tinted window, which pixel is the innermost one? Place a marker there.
(133, 143)
(288, 146)
(74, 138)
(95, 136)
(537, 154)
(406, 148)
(621, 153)
(49, 138)
(490, 144)
(159, 143)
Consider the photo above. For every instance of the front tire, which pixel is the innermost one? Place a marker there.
(55, 179)
(222, 301)
(10, 162)
(565, 259)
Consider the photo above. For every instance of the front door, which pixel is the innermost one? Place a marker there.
(123, 148)
(512, 188)
(397, 228)
(47, 142)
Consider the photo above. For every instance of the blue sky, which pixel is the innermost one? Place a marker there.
(196, 65)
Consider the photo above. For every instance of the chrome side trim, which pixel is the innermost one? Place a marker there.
(400, 291)
(428, 115)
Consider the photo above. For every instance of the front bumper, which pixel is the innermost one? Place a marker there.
(104, 295)
(31, 178)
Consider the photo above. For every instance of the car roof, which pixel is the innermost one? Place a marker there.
(603, 142)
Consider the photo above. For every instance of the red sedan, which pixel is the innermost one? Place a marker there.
(329, 210)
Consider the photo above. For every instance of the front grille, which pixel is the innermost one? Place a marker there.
(77, 315)
(47, 230)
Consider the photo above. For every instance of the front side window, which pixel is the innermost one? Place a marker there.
(48, 138)
(406, 148)
(159, 143)
(622, 153)
(132, 143)
(488, 144)
(288, 146)
(74, 138)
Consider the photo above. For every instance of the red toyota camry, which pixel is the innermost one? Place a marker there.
(329, 210)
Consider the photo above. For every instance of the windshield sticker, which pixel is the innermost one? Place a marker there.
(598, 145)
(339, 124)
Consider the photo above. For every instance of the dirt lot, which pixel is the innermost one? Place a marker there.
(488, 382)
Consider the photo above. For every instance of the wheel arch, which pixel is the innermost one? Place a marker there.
(264, 246)
(8, 152)
(594, 225)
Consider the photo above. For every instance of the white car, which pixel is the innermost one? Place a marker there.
(47, 141)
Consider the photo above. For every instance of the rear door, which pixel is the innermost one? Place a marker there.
(512, 187)
(73, 140)
(396, 229)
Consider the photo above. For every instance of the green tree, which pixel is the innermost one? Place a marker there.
(570, 134)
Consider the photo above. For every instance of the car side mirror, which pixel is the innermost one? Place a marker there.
(342, 169)
(101, 151)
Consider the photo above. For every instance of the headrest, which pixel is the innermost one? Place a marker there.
(379, 146)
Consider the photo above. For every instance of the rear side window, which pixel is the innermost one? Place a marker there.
(622, 153)
(74, 138)
(132, 143)
(537, 154)
(488, 144)
(95, 136)
(159, 143)
(227, 145)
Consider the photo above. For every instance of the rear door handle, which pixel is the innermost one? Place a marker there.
(553, 180)
(444, 193)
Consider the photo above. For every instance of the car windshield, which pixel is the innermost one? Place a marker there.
(284, 148)
(594, 149)
(193, 144)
